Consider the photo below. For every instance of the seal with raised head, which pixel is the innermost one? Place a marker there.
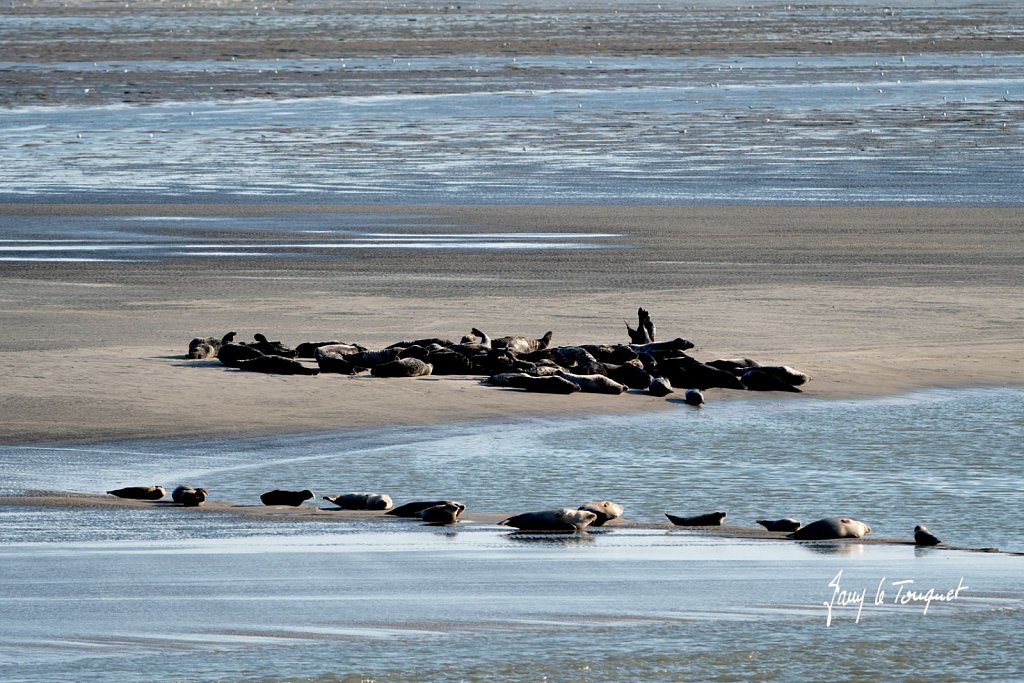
(361, 501)
(710, 519)
(693, 397)
(831, 528)
(562, 519)
(272, 348)
(788, 524)
(445, 513)
(924, 537)
(285, 497)
(605, 510)
(140, 492)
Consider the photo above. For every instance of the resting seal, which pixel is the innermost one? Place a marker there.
(924, 537)
(402, 367)
(594, 384)
(308, 349)
(755, 379)
(232, 354)
(445, 513)
(563, 519)
(831, 527)
(710, 519)
(336, 363)
(140, 492)
(272, 348)
(660, 387)
(517, 344)
(693, 397)
(276, 365)
(551, 384)
(786, 524)
(282, 497)
(192, 498)
(415, 508)
(605, 510)
(361, 501)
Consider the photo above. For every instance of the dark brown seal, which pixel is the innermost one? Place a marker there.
(710, 519)
(140, 492)
(284, 497)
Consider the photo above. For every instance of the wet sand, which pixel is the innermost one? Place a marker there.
(867, 301)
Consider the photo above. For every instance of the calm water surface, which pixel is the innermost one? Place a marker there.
(89, 592)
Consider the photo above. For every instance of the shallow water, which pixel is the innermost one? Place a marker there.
(110, 592)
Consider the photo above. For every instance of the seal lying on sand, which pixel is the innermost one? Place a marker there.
(594, 384)
(551, 384)
(563, 519)
(140, 492)
(644, 332)
(284, 497)
(924, 537)
(831, 527)
(232, 354)
(786, 524)
(402, 367)
(361, 501)
(207, 347)
(693, 397)
(605, 510)
(710, 519)
(276, 365)
(446, 513)
(517, 344)
(272, 348)
(308, 349)
(660, 387)
(755, 379)
(192, 498)
(415, 508)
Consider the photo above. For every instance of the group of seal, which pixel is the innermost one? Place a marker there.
(517, 362)
(557, 520)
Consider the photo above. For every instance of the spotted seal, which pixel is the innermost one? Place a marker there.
(361, 501)
(562, 519)
(605, 510)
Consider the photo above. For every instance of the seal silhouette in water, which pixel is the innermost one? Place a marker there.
(140, 492)
(831, 528)
(284, 497)
(924, 537)
(563, 519)
(710, 519)
(788, 524)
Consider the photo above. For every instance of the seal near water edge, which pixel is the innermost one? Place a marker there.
(361, 501)
(285, 497)
(562, 519)
(193, 498)
(788, 524)
(605, 510)
(660, 387)
(710, 519)
(446, 513)
(415, 508)
(140, 492)
(831, 528)
(924, 537)
(593, 384)
(693, 397)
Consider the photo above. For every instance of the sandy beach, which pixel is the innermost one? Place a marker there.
(885, 301)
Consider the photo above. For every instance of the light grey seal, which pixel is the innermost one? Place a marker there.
(445, 513)
(550, 384)
(563, 519)
(402, 367)
(285, 497)
(140, 492)
(710, 519)
(924, 537)
(336, 363)
(788, 524)
(830, 528)
(678, 344)
(594, 384)
(361, 501)
(605, 510)
(517, 344)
